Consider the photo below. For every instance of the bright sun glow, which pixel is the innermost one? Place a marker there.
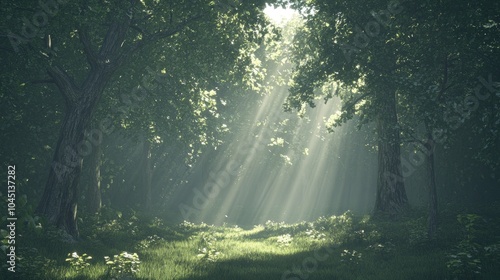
(279, 16)
(281, 167)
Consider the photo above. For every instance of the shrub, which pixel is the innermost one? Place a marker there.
(382, 250)
(208, 250)
(350, 257)
(417, 232)
(284, 240)
(149, 241)
(464, 262)
(78, 262)
(208, 254)
(30, 264)
(124, 264)
(315, 234)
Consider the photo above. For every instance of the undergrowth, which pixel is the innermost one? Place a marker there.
(126, 246)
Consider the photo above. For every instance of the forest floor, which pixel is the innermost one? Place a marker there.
(337, 247)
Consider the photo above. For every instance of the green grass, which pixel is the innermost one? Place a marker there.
(337, 247)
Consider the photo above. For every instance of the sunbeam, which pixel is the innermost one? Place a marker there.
(308, 174)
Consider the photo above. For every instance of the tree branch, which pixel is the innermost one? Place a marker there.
(144, 19)
(413, 139)
(354, 102)
(160, 35)
(65, 84)
(113, 40)
(87, 47)
(445, 79)
(42, 81)
(140, 30)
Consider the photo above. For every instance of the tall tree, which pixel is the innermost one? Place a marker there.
(446, 54)
(352, 44)
(109, 34)
(417, 62)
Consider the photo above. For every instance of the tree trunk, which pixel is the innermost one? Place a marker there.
(432, 221)
(59, 200)
(94, 190)
(148, 172)
(391, 195)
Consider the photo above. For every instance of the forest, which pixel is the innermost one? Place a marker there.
(250, 139)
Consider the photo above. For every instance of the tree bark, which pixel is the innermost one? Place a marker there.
(391, 194)
(94, 201)
(59, 200)
(432, 220)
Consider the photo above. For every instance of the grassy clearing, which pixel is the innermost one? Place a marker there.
(336, 247)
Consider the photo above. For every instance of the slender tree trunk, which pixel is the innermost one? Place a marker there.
(147, 175)
(391, 194)
(94, 189)
(432, 220)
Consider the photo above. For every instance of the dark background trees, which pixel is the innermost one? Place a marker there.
(420, 70)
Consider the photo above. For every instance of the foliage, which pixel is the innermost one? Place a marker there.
(78, 262)
(152, 240)
(208, 251)
(372, 249)
(124, 264)
(284, 240)
(315, 234)
(273, 226)
(417, 231)
(492, 253)
(208, 254)
(465, 261)
(187, 226)
(383, 250)
(350, 257)
(341, 227)
(31, 264)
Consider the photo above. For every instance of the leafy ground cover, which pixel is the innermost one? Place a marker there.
(336, 247)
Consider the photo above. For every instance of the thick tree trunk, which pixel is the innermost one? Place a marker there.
(59, 200)
(391, 194)
(432, 221)
(94, 202)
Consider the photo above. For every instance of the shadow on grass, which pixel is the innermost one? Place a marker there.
(322, 264)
